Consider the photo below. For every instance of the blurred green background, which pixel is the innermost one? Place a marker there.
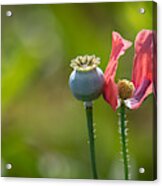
(44, 131)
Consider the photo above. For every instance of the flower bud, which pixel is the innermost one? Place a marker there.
(125, 89)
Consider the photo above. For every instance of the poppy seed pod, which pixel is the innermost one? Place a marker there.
(87, 80)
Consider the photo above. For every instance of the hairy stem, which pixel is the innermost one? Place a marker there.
(123, 133)
(89, 114)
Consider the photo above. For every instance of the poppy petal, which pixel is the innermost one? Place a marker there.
(143, 59)
(155, 65)
(119, 46)
(139, 95)
(110, 93)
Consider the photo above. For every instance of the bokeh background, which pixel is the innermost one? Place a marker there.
(44, 132)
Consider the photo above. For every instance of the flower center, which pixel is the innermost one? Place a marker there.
(125, 89)
(85, 63)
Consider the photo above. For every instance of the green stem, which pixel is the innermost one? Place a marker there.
(89, 114)
(123, 140)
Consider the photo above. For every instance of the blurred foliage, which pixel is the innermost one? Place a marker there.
(44, 130)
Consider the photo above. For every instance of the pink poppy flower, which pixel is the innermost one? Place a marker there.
(143, 82)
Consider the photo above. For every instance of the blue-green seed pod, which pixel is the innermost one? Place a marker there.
(87, 80)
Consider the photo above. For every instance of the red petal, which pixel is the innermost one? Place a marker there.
(140, 94)
(143, 60)
(155, 64)
(144, 66)
(111, 93)
(119, 46)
